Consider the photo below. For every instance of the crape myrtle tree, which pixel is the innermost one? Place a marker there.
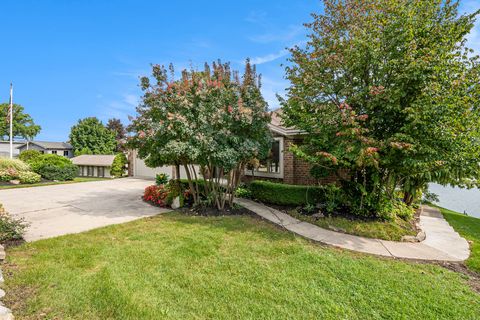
(388, 92)
(23, 124)
(212, 119)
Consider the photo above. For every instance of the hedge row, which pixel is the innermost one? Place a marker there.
(286, 194)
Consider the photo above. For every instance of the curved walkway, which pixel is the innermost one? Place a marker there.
(442, 243)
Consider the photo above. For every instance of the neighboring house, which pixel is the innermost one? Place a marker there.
(5, 148)
(59, 148)
(94, 165)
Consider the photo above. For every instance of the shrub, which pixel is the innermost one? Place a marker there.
(285, 194)
(18, 165)
(156, 195)
(52, 172)
(243, 192)
(29, 155)
(11, 228)
(161, 178)
(8, 174)
(119, 165)
(54, 167)
(29, 177)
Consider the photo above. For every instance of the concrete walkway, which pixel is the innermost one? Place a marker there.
(442, 243)
(70, 208)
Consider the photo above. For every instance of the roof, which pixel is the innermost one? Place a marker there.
(101, 160)
(276, 125)
(50, 145)
(14, 142)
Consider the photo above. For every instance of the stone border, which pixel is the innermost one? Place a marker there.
(5, 313)
(441, 242)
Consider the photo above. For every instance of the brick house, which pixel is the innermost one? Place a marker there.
(282, 165)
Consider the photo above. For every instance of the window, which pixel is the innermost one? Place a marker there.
(101, 172)
(65, 153)
(42, 152)
(54, 151)
(272, 166)
(90, 171)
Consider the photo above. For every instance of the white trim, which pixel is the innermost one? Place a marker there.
(271, 174)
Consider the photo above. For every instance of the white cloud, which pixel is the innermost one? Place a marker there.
(269, 57)
(280, 36)
(121, 108)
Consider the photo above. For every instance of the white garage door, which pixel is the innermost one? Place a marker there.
(140, 170)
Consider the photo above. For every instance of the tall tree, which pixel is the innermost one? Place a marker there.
(23, 124)
(388, 91)
(89, 136)
(116, 126)
(210, 118)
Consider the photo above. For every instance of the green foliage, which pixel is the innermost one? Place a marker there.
(209, 118)
(29, 177)
(54, 167)
(11, 228)
(389, 209)
(285, 194)
(89, 135)
(18, 165)
(119, 165)
(23, 124)
(116, 126)
(386, 101)
(29, 155)
(161, 178)
(243, 192)
(53, 172)
(8, 174)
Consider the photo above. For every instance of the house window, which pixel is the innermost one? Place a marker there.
(42, 152)
(272, 166)
(65, 153)
(54, 151)
(90, 171)
(101, 172)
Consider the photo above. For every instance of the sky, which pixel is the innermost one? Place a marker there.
(71, 59)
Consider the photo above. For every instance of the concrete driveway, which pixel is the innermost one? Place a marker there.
(70, 208)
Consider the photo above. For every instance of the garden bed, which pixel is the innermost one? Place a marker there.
(44, 182)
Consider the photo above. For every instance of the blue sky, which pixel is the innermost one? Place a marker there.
(69, 59)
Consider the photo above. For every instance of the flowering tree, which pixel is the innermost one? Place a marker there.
(211, 118)
(388, 91)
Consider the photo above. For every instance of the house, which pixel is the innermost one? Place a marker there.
(60, 148)
(94, 165)
(281, 166)
(5, 148)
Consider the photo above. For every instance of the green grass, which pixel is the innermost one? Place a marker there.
(386, 230)
(187, 267)
(469, 228)
(49, 183)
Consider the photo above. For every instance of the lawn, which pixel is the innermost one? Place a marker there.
(186, 267)
(386, 230)
(49, 183)
(469, 228)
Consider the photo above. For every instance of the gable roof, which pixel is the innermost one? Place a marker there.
(101, 160)
(49, 145)
(277, 126)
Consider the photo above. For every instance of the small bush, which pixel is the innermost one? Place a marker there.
(389, 209)
(161, 178)
(54, 167)
(29, 177)
(18, 165)
(28, 156)
(243, 192)
(11, 228)
(8, 174)
(119, 165)
(286, 194)
(52, 172)
(49, 159)
(156, 195)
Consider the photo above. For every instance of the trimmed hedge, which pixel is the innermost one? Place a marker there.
(53, 172)
(285, 194)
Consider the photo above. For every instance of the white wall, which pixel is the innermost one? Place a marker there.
(140, 169)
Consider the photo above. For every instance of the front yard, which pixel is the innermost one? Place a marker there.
(49, 183)
(182, 267)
